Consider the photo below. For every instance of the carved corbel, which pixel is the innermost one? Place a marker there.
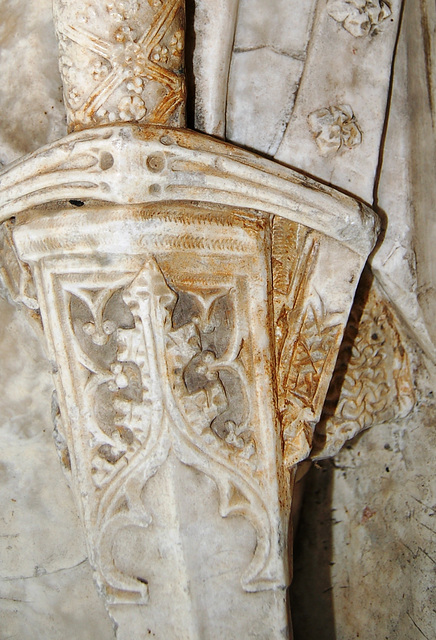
(194, 306)
(193, 298)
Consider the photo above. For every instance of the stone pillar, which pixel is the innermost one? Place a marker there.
(122, 60)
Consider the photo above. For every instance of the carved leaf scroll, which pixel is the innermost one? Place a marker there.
(164, 374)
(307, 337)
(372, 381)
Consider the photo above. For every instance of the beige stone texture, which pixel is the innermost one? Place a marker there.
(31, 101)
(46, 587)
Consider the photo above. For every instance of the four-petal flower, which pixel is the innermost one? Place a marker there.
(359, 17)
(334, 127)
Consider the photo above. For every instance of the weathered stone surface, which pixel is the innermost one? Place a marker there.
(214, 28)
(367, 534)
(342, 69)
(370, 511)
(31, 102)
(46, 585)
(164, 323)
(373, 381)
(421, 51)
(269, 54)
(249, 104)
(403, 191)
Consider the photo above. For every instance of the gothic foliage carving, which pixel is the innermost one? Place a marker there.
(359, 17)
(307, 333)
(206, 333)
(200, 332)
(167, 351)
(334, 129)
(372, 382)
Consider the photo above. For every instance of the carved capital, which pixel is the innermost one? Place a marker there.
(194, 307)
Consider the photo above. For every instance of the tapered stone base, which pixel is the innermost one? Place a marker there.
(192, 342)
(196, 563)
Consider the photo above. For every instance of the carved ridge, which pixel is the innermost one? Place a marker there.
(278, 191)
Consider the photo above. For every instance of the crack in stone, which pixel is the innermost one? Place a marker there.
(46, 573)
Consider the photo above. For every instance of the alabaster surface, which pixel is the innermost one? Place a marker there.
(46, 582)
(32, 107)
(163, 322)
(309, 85)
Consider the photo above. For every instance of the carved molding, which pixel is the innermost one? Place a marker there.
(155, 354)
(193, 305)
(132, 164)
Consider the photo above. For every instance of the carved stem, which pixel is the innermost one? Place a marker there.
(215, 24)
(122, 60)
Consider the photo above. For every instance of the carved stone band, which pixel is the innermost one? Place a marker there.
(131, 164)
(194, 298)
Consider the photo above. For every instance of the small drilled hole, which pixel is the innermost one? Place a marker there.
(156, 162)
(106, 160)
(154, 189)
(167, 140)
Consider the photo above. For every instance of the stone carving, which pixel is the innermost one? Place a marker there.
(129, 409)
(343, 75)
(122, 61)
(359, 17)
(154, 363)
(307, 338)
(372, 382)
(334, 128)
(163, 341)
(189, 294)
(176, 165)
(164, 372)
(15, 275)
(207, 371)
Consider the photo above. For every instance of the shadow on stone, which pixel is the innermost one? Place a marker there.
(311, 595)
